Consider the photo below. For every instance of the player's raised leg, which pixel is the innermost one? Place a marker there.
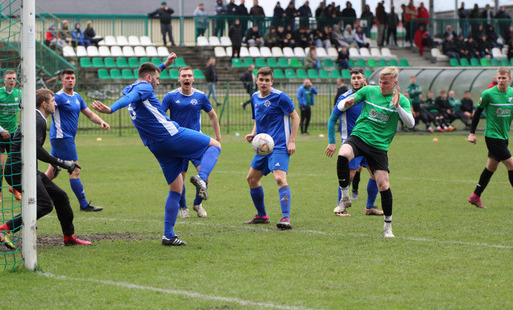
(208, 162)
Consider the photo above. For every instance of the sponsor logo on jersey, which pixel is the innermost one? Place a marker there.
(503, 112)
(267, 103)
(77, 102)
(177, 101)
(194, 102)
(380, 117)
(277, 165)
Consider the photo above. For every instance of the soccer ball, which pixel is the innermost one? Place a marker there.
(263, 144)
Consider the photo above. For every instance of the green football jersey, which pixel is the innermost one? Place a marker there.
(497, 106)
(377, 123)
(9, 107)
(455, 104)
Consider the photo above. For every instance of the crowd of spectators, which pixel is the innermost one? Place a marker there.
(67, 36)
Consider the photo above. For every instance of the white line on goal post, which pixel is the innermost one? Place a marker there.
(28, 133)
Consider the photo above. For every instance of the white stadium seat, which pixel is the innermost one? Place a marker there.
(244, 52)
(146, 41)
(109, 41)
(254, 51)
(139, 51)
(116, 51)
(265, 52)
(219, 51)
(364, 52)
(202, 41)
(299, 52)
(151, 51)
(92, 51)
(277, 51)
(288, 52)
(122, 41)
(81, 51)
(353, 52)
(128, 51)
(162, 51)
(68, 51)
(496, 53)
(386, 53)
(214, 41)
(104, 51)
(225, 41)
(229, 51)
(332, 52)
(321, 52)
(134, 41)
(375, 52)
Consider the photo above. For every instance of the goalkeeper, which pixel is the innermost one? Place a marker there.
(48, 193)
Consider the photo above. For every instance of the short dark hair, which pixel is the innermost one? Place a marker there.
(184, 68)
(147, 68)
(67, 71)
(43, 95)
(9, 72)
(265, 71)
(357, 71)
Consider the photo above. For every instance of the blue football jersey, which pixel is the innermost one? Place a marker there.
(186, 110)
(271, 115)
(147, 113)
(348, 117)
(65, 118)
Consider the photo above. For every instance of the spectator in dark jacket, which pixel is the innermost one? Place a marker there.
(253, 36)
(343, 58)
(164, 14)
(472, 48)
(211, 77)
(290, 15)
(278, 15)
(367, 20)
(449, 48)
(249, 81)
(392, 22)
(235, 34)
(484, 47)
(243, 14)
(504, 21)
(90, 34)
(462, 47)
(304, 13)
(348, 15)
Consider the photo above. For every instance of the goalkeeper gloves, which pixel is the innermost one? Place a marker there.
(68, 165)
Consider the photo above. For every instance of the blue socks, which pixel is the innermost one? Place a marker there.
(208, 161)
(197, 200)
(171, 212)
(183, 202)
(372, 193)
(78, 189)
(285, 200)
(257, 194)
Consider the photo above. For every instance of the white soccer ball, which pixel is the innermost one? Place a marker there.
(263, 144)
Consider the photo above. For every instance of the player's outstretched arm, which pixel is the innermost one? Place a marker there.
(170, 59)
(291, 147)
(249, 137)
(100, 107)
(93, 117)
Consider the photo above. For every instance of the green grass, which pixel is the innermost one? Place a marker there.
(446, 254)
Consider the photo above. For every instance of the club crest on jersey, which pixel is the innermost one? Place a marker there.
(380, 117)
(194, 102)
(267, 103)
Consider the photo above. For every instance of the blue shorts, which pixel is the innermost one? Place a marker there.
(357, 161)
(195, 161)
(174, 153)
(64, 149)
(277, 160)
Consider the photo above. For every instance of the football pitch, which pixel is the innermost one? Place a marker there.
(446, 254)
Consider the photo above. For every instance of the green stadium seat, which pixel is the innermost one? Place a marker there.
(164, 75)
(127, 74)
(346, 74)
(464, 62)
(335, 74)
(110, 62)
(248, 61)
(174, 74)
(180, 62)
(312, 74)
(283, 62)
(271, 62)
(103, 74)
(278, 74)
(367, 73)
(393, 62)
(474, 62)
(136, 73)
(494, 62)
(328, 62)
(260, 62)
(301, 74)
(382, 62)
(143, 60)
(485, 62)
(504, 62)
(324, 74)
(85, 62)
(360, 63)
(403, 62)
(132, 62)
(115, 74)
(255, 72)
(98, 62)
(198, 74)
(290, 74)
(351, 63)
(372, 63)
(237, 63)
(454, 62)
(156, 61)
(295, 63)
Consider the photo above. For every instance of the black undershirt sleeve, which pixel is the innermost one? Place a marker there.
(475, 120)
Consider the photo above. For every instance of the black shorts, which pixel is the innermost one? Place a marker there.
(497, 149)
(5, 145)
(377, 159)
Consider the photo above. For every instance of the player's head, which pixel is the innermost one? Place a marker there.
(265, 78)
(307, 83)
(431, 94)
(357, 78)
(451, 94)
(10, 79)
(68, 79)
(150, 73)
(186, 77)
(503, 77)
(421, 97)
(45, 101)
(388, 80)
(467, 94)
(413, 79)
(163, 4)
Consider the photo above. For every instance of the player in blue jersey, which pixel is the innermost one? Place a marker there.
(347, 120)
(185, 105)
(273, 112)
(171, 144)
(64, 129)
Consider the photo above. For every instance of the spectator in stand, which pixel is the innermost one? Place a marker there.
(211, 77)
(444, 108)
(474, 17)
(305, 97)
(360, 38)
(270, 37)
(491, 37)
(463, 15)
(367, 20)
(312, 60)
(258, 14)
(321, 37)
(480, 31)
(409, 14)
(78, 37)
(422, 114)
(201, 19)
(455, 109)
(304, 13)
(488, 14)
(343, 58)
(90, 34)
(462, 47)
(243, 14)
(510, 46)
(348, 15)
(302, 36)
(349, 35)
(508, 35)
(320, 15)
(392, 23)
(253, 37)
(278, 15)
(235, 34)
(221, 12)
(290, 15)
(231, 12)
(248, 79)
(450, 32)
(341, 88)
(290, 36)
(472, 48)
(484, 46)
(381, 20)
(449, 48)
(51, 37)
(422, 39)
(337, 38)
(467, 106)
(504, 20)
(422, 15)
(281, 37)
(164, 14)
(65, 33)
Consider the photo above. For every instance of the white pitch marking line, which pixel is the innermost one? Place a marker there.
(174, 292)
(255, 227)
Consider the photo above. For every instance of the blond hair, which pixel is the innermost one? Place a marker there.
(392, 72)
(504, 71)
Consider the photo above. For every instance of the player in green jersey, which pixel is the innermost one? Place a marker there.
(498, 104)
(10, 99)
(374, 130)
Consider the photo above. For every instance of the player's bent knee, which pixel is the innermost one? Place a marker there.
(214, 142)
